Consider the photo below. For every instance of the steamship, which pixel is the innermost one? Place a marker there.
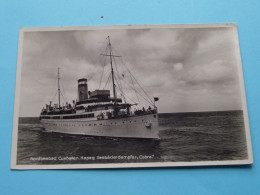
(96, 113)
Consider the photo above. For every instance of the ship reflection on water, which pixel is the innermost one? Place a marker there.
(185, 137)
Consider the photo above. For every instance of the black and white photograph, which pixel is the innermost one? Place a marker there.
(130, 96)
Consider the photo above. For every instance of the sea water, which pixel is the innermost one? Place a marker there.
(185, 137)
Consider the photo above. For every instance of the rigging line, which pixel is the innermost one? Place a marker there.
(66, 100)
(100, 60)
(63, 97)
(119, 83)
(124, 94)
(121, 90)
(136, 81)
(54, 96)
(104, 73)
(135, 89)
(141, 87)
(52, 91)
(131, 99)
(145, 98)
(150, 101)
(101, 78)
(107, 80)
(139, 94)
(112, 48)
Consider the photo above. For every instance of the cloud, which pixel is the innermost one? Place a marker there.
(216, 72)
(178, 66)
(189, 69)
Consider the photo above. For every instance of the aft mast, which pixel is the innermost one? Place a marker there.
(59, 85)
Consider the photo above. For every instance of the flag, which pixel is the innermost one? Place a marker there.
(156, 99)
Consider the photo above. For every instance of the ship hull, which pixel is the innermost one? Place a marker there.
(130, 127)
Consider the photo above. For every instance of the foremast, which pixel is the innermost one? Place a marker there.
(112, 73)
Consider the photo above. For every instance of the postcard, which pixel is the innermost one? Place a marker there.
(130, 96)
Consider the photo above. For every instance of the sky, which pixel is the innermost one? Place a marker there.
(189, 69)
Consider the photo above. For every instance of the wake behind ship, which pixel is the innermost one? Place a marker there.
(96, 113)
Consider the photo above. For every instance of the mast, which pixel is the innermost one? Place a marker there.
(112, 73)
(59, 85)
